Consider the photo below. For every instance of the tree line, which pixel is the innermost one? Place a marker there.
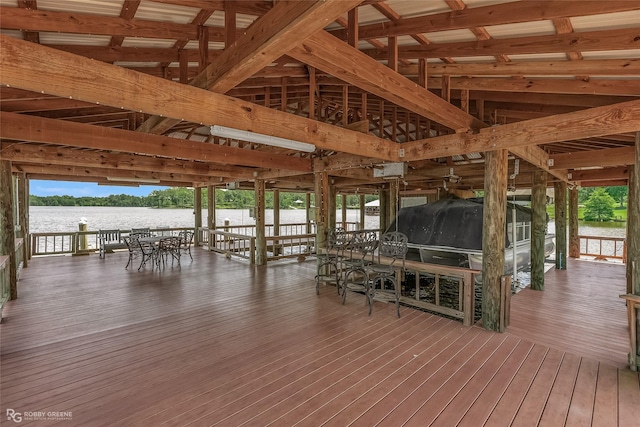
(184, 197)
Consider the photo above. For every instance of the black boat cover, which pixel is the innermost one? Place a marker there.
(450, 221)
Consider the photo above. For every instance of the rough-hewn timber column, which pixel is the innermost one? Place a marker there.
(633, 225)
(276, 217)
(261, 237)
(307, 209)
(394, 200)
(362, 212)
(23, 209)
(344, 211)
(7, 229)
(574, 240)
(321, 184)
(494, 219)
(383, 197)
(211, 207)
(197, 211)
(538, 226)
(331, 218)
(560, 195)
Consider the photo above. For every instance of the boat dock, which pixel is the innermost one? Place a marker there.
(223, 341)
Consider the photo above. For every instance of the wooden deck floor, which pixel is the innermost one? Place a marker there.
(221, 343)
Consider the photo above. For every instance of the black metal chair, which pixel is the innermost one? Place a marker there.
(168, 247)
(141, 232)
(134, 249)
(148, 251)
(186, 240)
(393, 246)
(328, 270)
(361, 246)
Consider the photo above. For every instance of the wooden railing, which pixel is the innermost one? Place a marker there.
(5, 281)
(289, 246)
(78, 242)
(604, 247)
(464, 278)
(232, 244)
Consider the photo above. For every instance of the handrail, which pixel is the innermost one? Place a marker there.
(289, 246)
(80, 242)
(233, 244)
(604, 247)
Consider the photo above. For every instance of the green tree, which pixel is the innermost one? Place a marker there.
(600, 206)
(619, 193)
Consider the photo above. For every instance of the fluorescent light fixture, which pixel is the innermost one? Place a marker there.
(260, 138)
(140, 180)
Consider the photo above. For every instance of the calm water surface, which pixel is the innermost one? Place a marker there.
(66, 218)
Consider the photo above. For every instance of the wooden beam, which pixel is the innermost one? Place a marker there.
(590, 158)
(605, 174)
(268, 39)
(329, 54)
(83, 23)
(593, 67)
(607, 120)
(538, 158)
(36, 129)
(620, 87)
(67, 75)
(619, 39)
(497, 14)
(55, 155)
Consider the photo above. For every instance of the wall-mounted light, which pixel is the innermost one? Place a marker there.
(260, 138)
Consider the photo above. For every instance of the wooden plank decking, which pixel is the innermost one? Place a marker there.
(219, 342)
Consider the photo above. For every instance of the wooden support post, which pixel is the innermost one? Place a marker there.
(494, 219)
(23, 209)
(283, 95)
(312, 93)
(344, 211)
(384, 207)
(381, 121)
(363, 108)
(574, 240)
(331, 205)
(394, 124)
(422, 72)
(261, 236)
(560, 196)
(446, 88)
(464, 100)
(276, 219)
(321, 184)
(307, 209)
(352, 27)
(7, 229)
(197, 210)
(392, 50)
(480, 109)
(394, 200)
(362, 212)
(203, 46)
(211, 207)
(230, 8)
(183, 59)
(345, 105)
(538, 226)
(633, 224)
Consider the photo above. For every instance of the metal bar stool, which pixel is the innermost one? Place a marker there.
(393, 245)
(328, 270)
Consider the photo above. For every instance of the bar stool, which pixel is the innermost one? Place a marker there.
(393, 245)
(360, 246)
(328, 270)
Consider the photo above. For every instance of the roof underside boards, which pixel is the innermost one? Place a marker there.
(423, 81)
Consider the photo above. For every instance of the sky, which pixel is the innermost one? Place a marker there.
(82, 189)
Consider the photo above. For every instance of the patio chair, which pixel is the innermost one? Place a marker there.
(134, 249)
(361, 245)
(186, 240)
(149, 252)
(141, 232)
(393, 246)
(328, 270)
(168, 247)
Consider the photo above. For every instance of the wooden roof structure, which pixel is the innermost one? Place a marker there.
(126, 90)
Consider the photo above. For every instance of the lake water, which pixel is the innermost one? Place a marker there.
(66, 218)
